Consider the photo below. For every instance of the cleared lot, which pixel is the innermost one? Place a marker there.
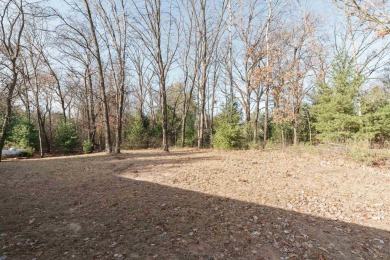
(191, 204)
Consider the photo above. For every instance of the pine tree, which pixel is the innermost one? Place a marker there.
(336, 103)
(376, 115)
(228, 132)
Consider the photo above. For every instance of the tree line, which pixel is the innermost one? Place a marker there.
(112, 74)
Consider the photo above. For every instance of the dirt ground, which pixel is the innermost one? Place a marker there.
(191, 204)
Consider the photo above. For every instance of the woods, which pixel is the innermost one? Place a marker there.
(98, 75)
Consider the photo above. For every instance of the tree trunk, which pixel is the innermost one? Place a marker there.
(248, 117)
(308, 122)
(91, 111)
(7, 117)
(295, 132)
(266, 117)
(186, 108)
(119, 125)
(39, 120)
(183, 125)
(164, 115)
(202, 113)
(203, 85)
(259, 93)
(46, 137)
(212, 109)
(255, 122)
(184, 115)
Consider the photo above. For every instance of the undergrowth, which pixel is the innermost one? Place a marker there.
(357, 153)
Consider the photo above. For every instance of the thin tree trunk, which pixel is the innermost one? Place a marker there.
(164, 115)
(184, 114)
(267, 76)
(248, 117)
(308, 122)
(266, 117)
(257, 114)
(202, 112)
(295, 131)
(91, 109)
(7, 117)
(39, 119)
(119, 125)
(87, 109)
(45, 136)
(215, 81)
(183, 125)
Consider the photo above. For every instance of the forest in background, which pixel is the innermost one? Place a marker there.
(112, 74)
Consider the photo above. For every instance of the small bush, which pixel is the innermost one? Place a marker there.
(254, 145)
(66, 137)
(368, 156)
(271, 144)
(87, 146)
(30, 151)
(309, 148)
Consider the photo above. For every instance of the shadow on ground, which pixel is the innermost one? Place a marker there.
(79, 208)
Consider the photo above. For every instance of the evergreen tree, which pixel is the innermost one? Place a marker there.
(336, 103)
(376, 115)
(228, 132)
(136, 131)
(22, 134)
(66, 136)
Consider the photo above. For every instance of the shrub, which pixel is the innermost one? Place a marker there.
(66, 137)
(29, 152)
(87, 146)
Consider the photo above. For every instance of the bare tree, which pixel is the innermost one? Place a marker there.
(74, 42)
(12, 22)
(375, 12)
(209, 29)
(267, 80)
(58, 87)
(162, 43)
(36, 78)
(98, 57)
(190, 65)
(250, 29)
(143, 74)
(115, 22)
